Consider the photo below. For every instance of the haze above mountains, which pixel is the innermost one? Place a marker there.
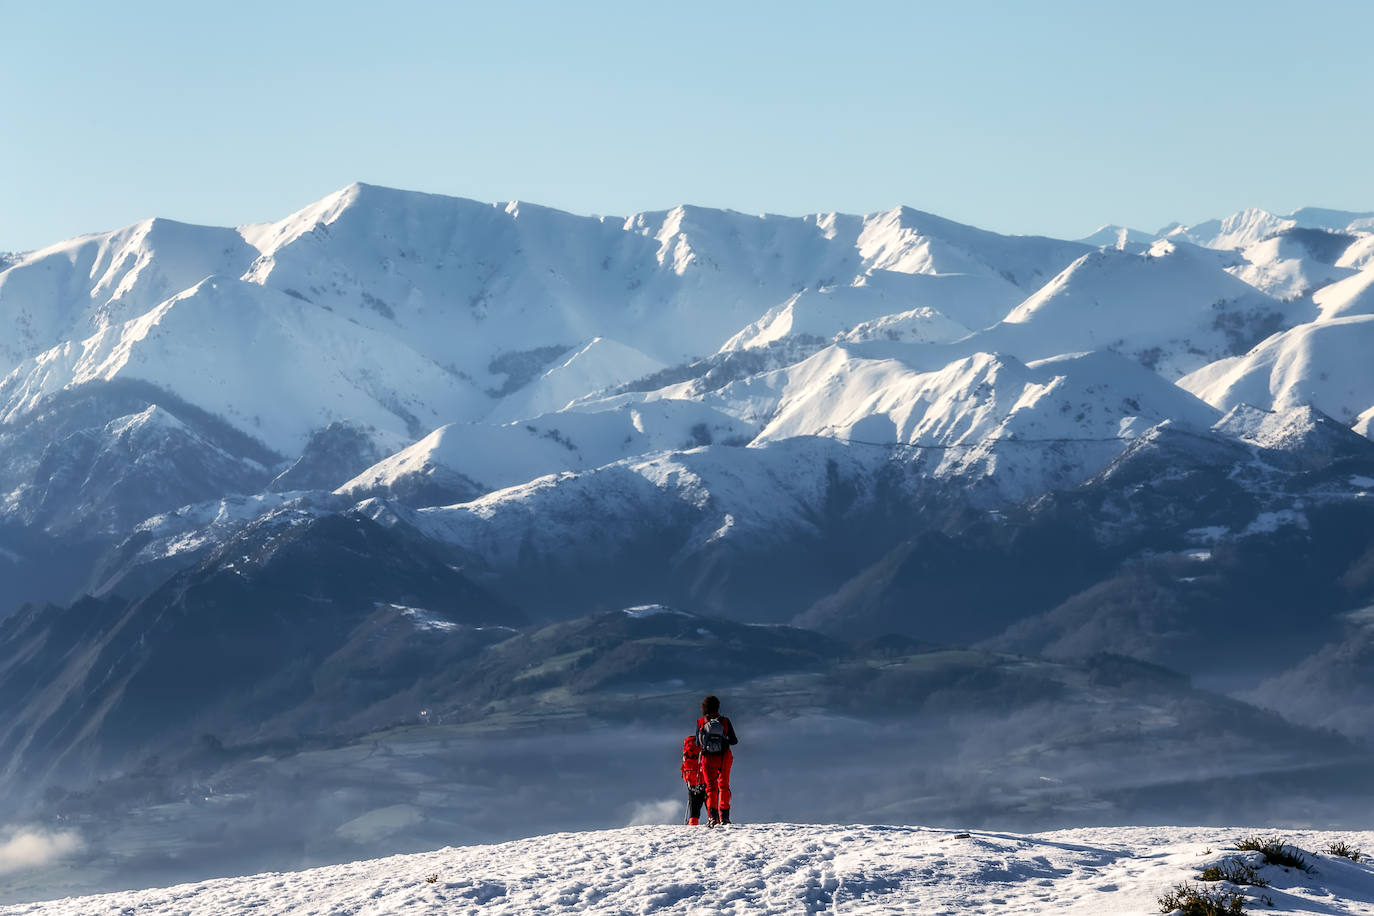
(397, 452)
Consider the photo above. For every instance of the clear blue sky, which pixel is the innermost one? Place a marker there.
(1021, 117)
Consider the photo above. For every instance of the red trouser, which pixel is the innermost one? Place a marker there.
(715, 771)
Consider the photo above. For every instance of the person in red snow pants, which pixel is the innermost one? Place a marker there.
(716, 736)
(692, 775)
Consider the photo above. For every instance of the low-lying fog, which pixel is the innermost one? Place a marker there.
(426, 787)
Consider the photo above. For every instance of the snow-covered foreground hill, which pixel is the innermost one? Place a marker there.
(784, 868)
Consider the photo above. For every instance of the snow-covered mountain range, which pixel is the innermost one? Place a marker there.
(400, 313)
(698, 389)
(292, 473)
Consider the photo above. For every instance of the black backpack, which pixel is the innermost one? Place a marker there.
(711, 737)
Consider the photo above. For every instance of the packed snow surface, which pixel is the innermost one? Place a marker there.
(779, 868)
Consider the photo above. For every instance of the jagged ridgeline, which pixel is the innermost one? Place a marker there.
(388, 472)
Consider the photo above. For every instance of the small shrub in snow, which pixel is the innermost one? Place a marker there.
(1233, 870)
(1190, 900)
(1275, 851)
(1344, 849)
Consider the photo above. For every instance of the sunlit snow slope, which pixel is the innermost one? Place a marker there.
(781, 869)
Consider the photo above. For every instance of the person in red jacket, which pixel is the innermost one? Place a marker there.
(715, 737)
(696, 782)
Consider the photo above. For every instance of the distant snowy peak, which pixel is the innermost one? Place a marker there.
(268, 238)
(1173, 309)
(1294, 263)
(851, 312)
(85, 285)
(1253, 225)
(107, 479)
(984, 397)
(1235, 231)
(154, 420)
(904, 240)
(1325, 364)
(1305, 433)
(272, 366)
(1333, 220)
(599, 364)
(197, 527)
(456, 463)
(427, 270)
(1120, 238)
(1054, 422)
(678, 502)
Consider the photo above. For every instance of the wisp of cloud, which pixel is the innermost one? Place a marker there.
(32, 847)
(666, 811)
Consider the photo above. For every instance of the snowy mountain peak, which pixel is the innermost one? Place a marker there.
(982, 398)
(1333, 220)
(261, 360)
(1173, 309)
(1235, 231)
(1254, 224)
(1324, 363)
(1119, 237)
(599, 364)
(153, 417)
(76, 288)
(1303, 431)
